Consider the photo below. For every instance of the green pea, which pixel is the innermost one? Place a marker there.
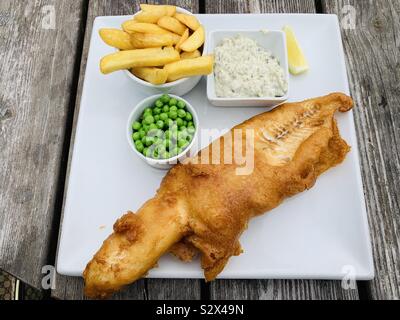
(149, 141)
(149, 120)
(183, 129)
(184, 132)
(156, 117)
(181, 113)
(167, 134)
(146, 128)
(165, 109)
(148, 110)
(153, 126)
(190, 124)
(173, 102)
(182, 136)
(165, 98)
(160, 148)
(157, 141)
(136, 136)
(159, 103)
(144, 140)
(180, 150)
(160, 124)
(163, 116)
(152, 133)
(142, 133)
(179, 122)
(189, 138)
(168, 143)
(182, 143)
(189, 116)
(185, 123)
(147, 152)
(157, 110)
(155, 133)
(145, 115)
(181, 104)
(166, 155)
(191, 130)
(136, 126)
(139, 146)
(155, 154)
(173, 108)
(173, 115)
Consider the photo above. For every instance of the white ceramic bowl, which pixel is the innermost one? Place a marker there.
(273, 41)
(179, 87)
(137, 111)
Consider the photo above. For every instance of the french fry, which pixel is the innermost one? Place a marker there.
(116, 38)
(127, 23)
(148, 40)
(190, 67)
(190, 55)
(188, 20)
(151, 16)
(150, 74)
(152, 57)
(172, 24)
(184, 37)
(132, 26)
(195, 41)
(171, 10)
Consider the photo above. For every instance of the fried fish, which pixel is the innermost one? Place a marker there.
(204, 206)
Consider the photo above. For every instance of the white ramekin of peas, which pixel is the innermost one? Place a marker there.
(162, 130)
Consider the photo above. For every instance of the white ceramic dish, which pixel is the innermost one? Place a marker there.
(319, 234)
(137, 112)
(179, 87)
(274, 41)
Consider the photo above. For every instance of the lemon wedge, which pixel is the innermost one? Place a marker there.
(297, 61)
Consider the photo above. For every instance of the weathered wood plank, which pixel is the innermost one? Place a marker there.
(273, 289)
(373, 56)
(37, 68)
(72, 288)
(280, 290)
(260, 6)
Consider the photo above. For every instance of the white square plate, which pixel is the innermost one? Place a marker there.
(319, 234)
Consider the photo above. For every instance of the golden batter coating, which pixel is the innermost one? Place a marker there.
(206, 203)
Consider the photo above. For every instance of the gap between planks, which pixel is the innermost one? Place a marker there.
(62, 175)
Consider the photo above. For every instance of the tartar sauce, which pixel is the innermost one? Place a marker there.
(245, 69)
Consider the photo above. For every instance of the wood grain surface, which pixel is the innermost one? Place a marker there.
(259, 6)
(72, 288)
(373, 58)
(39, 106)
(36, 72)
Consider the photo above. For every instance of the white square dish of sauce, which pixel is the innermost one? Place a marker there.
(251, 68)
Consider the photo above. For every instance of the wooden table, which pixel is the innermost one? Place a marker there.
(41, 69)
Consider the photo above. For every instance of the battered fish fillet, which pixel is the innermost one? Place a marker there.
(206, 207)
